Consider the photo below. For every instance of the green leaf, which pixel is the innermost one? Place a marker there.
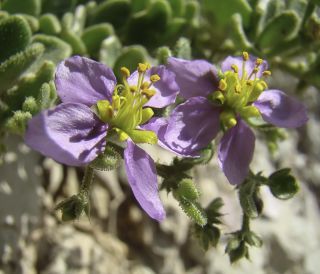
(18, 122)
(12, 68)
(221, 11)
(110, 50)
(178, 7)
(282, 28)
(32, 7)
(115, 12)
(283, 185)
(50, 24)
(238, 35)
(94, 35)
(15, 35)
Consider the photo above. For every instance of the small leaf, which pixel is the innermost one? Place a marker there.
(253, 239)
(49, 24)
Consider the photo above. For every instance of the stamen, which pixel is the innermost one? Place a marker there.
(154, 78)
(133, 89)
(143, 67)
(245, 56)
(237, 88)
(148, 93)
(259, 61)
(249, 83)
(223, 84)
(235, 68)
(125, 72)
(266, 73)
(145, 85)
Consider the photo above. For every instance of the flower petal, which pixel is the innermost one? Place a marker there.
(142, 177)
(70, 134)
(166, 88)
(281, 110)
(195, 78)
(249, 65)
(82, 80)
(190, 127)
(235, 152)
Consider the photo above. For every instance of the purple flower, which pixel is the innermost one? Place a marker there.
(93, 108)
(227, 100)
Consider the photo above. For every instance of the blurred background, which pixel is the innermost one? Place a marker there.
(120, 238)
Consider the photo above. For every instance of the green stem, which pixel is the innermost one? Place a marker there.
(245, 223)
(87, 180)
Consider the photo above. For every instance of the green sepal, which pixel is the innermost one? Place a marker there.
(110, 159)
(250, 200)
(15, 35)
(240, 252)
(282, 184)
(73, 207)
(213, 211)
(143, 136)
(187, 189)
(193, 211)
(253, 239)
(207, 235)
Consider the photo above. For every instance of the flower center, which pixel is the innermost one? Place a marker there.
(126, 112)
(238, 89)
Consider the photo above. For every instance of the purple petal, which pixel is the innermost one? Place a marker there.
(81, 80)
(70, 134)
(281, 110)
(249, 65)
(195, 78)
(235, 152)
(142, 178)
(166, 88)
(190, 127)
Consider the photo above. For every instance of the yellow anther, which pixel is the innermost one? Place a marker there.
(143, 67)
(255, 70)
(133, 89)
(266, 73)
(264, 85)
(148, 65)
(154, 78)
(235, 68)
(245, 56)
(145, 85)
(259, 61)
(249, 83)
(223, 84)
(148, 93)
(125, 72)
(237, 88)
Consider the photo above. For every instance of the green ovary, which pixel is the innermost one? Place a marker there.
(125, 113)
(236, 94)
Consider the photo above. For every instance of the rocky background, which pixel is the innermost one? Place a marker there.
(120, 238)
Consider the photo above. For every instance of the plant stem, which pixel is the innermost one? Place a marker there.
(87, 180)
